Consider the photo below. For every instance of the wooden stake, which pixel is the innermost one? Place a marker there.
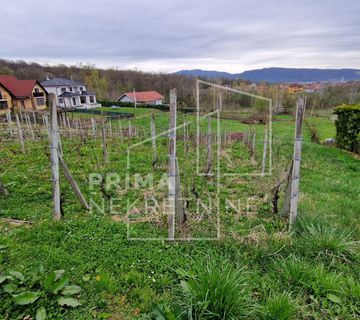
(121, 131)
(54, 148)
(153, 139)
(176, 211)
(105, 153)
(21, 137)
(209, 148)
(73, 184)
(300, 111)
(28, 120)
(263, 165)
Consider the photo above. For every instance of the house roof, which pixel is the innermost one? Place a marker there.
(143, 96)
(72, 94)
(18, 88)
(55, 82)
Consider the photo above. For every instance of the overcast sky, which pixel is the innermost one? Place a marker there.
(169, 35)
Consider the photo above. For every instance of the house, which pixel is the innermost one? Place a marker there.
(295, 87)
(70, 93)
(142, 97)
(312, 87)
(5, 100)
(22, 94)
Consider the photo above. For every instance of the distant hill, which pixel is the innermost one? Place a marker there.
(280, 74)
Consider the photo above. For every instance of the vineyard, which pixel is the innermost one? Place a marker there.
(228, 249)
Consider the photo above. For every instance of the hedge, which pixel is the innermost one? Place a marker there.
(348, 127)
(131, 105)
(162, 107)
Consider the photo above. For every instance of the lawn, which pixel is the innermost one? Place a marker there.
(256, 270)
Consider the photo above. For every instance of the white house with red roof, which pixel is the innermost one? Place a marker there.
(142, 97)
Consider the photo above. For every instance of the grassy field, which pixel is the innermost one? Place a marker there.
(257, 270)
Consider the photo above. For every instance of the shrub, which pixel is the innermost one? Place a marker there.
(314, 132)
(348, 127)
(217, 291)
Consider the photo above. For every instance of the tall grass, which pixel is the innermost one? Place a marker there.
(318, 239)
(305, 277)
(279, 306)
(217, 291)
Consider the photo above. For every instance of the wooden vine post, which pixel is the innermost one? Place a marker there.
(209, 147)
(104, 146)
(176, 211)
(263, 165)
(153, 139)
(54, 154)
(295, 176)
(21, 136)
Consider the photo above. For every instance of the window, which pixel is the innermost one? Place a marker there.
(61, 101)
(3, 105)
(74, 101)
(63, 89)
(22, 103)
(70, 88)
(36, 90)
(92, 100)
(0, 96)
(40, 102)
(81, 89)
(83, 100)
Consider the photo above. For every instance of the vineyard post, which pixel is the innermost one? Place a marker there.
(110, 128)
(93, 126)
(253, 148)
(30, 126)
(129, 128)
(209, 147)
(34, 117)
(295, 178)
(175, 206)
(105, 153)
(153, 138)
(21, 137)
(8, 117)
(263, 165)
(54, 154)
(121, 131)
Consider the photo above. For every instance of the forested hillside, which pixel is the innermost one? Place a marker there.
(108, 84)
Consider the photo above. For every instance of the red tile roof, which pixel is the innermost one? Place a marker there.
(18, 88)
(144, 96)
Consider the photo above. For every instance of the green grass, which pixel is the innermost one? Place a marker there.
(311, 273)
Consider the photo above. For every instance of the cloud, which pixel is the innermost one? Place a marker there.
(167, 35)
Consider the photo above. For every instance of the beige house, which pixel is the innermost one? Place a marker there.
(5, 100)
(25, 94)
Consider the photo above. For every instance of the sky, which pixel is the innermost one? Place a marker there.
(171, 35)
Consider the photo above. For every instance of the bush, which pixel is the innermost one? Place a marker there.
(348, 127)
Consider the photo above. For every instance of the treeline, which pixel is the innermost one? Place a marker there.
(109, 84)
